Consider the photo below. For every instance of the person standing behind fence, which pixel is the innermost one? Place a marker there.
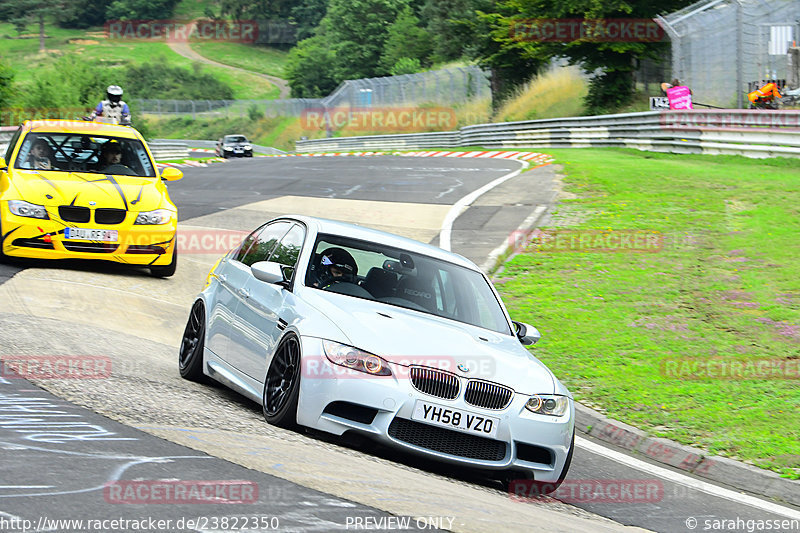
(680, 96)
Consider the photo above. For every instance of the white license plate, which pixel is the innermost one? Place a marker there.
(438, 415)
(83, 234)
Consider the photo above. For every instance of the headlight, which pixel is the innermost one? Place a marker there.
(227, 148)
(248, 147)
(349, 357)
(548, 404)
(159, 216)
(25, 209)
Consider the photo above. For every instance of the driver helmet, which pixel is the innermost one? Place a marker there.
(337, 264)
(114, 93)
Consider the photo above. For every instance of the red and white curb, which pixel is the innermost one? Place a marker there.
(190, 163)
(524, 156)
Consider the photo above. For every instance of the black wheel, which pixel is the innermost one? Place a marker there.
(282, 384)
(166, 270)
(190, 356)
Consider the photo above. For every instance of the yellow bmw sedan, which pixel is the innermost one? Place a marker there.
(86, 190)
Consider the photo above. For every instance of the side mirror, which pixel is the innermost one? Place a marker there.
(3, 164)
(171, 174)
(268, 271)
(526, 333)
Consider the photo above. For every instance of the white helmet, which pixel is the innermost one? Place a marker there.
(114, 93)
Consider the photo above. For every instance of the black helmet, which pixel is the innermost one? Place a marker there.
(114, 93)
(341, 260)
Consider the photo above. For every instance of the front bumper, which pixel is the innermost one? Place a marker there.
(382, 408)
(44, 239)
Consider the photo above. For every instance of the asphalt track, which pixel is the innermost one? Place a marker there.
(309, 481)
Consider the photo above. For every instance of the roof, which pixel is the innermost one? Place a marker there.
(354, 231)
(80, 126)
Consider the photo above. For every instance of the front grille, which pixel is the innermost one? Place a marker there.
(91, 247)
(32, 243)
(71, 213)
(447, 441)
(487, 395)
(435, 382)
(106, 215)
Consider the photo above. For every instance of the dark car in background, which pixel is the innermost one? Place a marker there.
(234, 146)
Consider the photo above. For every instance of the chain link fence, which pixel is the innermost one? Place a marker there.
(439, 87)
(720, 47)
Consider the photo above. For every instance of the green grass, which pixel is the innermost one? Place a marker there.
(24, 57)
(725, 285)
(249, 57)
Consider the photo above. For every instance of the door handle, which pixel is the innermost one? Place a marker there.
(244, 293)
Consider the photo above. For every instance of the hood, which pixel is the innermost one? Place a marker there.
(403, 336)
(53, 188)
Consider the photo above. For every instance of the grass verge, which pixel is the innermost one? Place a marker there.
(629, 332)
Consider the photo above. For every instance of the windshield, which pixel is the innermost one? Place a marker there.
(405, 279)
(235, 139)
(75, 152)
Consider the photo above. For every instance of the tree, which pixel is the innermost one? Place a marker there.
(357, 31)
(452, 26)
(140, 9)
(511, 61)
(307, 16)
(82, 14)
(615, 60)
(6, 85)
(257, 9)
(308, 68)
(22, 12)
(406, 40)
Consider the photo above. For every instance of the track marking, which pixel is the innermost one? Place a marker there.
(464, 203)
(669, 475)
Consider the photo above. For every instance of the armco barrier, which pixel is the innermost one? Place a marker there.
(752, 133)
(197, 143)
(163, 151)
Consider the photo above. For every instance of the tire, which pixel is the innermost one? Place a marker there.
(166, 270)
(282, 384)
(190, 355)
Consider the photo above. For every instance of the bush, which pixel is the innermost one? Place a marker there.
(157, 80)
(406, 65)
(254, 112)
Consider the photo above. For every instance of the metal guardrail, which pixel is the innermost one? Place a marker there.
(198, 143)
(164, 151)
(752, 133)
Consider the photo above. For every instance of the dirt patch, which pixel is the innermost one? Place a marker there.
(83, 41)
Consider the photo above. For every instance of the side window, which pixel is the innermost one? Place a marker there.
(288, 250)
(12, 143)
(262, 244)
